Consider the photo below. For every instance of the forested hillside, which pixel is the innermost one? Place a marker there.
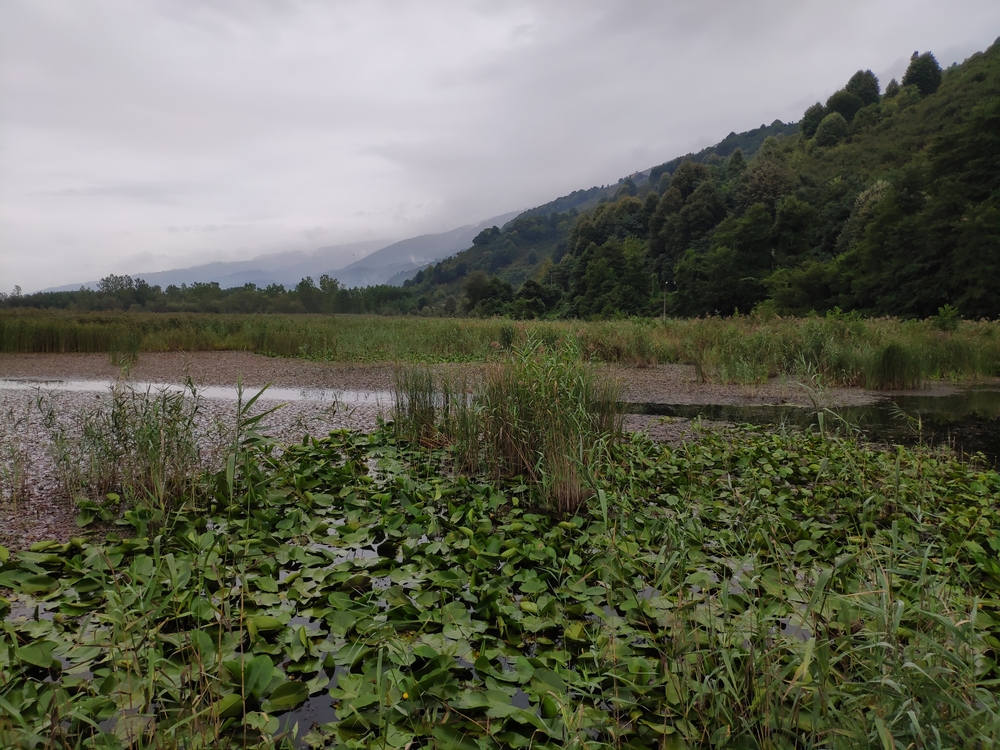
(884, 202)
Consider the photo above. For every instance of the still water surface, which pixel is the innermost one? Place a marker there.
(209, 391)
(968, 419)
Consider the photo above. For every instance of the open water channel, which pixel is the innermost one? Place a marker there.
(966, 418)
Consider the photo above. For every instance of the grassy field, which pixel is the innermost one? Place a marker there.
(753, 589)
(838, 349)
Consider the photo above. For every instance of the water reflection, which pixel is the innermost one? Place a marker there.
(967, 419)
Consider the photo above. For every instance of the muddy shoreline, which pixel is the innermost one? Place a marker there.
(675, 384)
(44, 512)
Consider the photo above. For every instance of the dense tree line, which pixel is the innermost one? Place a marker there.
(880, 202)
(124, 293)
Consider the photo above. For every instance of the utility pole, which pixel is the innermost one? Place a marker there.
(665, 283)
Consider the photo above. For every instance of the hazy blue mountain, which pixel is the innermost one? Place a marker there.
(399, 261)
(286, 268)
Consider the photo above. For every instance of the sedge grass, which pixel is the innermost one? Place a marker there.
(843, 349)
(541, 413)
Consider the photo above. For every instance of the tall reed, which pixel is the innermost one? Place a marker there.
(844, 348)
(139, 444)
(542, 413)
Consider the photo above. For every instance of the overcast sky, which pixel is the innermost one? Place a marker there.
(142, 135)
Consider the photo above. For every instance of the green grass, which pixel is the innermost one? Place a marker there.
(139, 446)
(541, 413)
(841, 349)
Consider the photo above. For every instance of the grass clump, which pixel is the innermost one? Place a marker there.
(542, 413)
(546, 415)
(15, 456)
(136, 446)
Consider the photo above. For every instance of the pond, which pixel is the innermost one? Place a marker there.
(968, 418)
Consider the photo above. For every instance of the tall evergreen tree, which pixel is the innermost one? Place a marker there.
(864, 85)
(924, 73)
(845, 103)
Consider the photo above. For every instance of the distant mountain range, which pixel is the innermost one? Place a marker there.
(399, 261)
(379, 264)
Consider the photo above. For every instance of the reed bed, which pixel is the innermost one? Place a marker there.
(840, 349)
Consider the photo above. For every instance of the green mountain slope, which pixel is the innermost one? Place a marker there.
(882, 203)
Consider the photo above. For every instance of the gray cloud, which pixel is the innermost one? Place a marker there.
(252, 126)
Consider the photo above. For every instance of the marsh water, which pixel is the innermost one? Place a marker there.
(967, 418)
(209, 391)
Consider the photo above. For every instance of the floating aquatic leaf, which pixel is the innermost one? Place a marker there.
(38, 654)
(285, 696)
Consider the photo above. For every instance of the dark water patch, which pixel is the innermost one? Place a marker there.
(316, 711)
(967, 420)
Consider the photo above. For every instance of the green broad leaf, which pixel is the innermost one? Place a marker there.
(42, 546)
(546, 681)
(341, 622)
(4, 607)
(39, 584)
(262, 722)
(425, 652)
(575, 631)
(131, 728)
(4, 554)
(266, 624)
(203, 644)
(202, 609)
(78, 609)
(286, 696)
(525, 670)
(266, 584)
(228, 707)
(250, 676)
(450, 737)
(38, 654)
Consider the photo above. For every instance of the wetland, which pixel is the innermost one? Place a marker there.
(790, 565)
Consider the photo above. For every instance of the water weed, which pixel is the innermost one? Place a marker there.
(749, 589)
